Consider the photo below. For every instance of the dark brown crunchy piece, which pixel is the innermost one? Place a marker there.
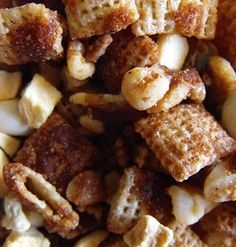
(125, 52)
(97, 48)
(222, 218)
(58, 152)
(30, 33)
(140, 192)
(185, 139)
(226, 30)
(86, 18)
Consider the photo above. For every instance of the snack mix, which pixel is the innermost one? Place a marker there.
(118, 123)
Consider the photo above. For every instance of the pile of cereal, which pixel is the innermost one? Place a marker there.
(117, 123)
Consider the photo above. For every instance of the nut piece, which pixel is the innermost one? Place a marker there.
(189, 205)
(93, 239)
(9, 144)
(93, 125)
(143, 87)
(220, 184)
(3, 187)
(185, 83)
(12, 123)
(14, 218)
(57, 213)
(148, 232)
(172, 50)
(86, 189)
(78, 67)
(229, 116)
(38, 101)
(224, 78)
(32, 238)
(9, 84)
(108, 102)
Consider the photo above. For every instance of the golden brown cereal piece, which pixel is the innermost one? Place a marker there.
(223, 81)
(189, 18)
(220, 184)
(184, 84)
(218, 228)
(87, 188)
(226, 30)
(30, 33)
(184, 237)
(140, 192)
(224, 218)
(57, 213)
(185, 139)
(86, 18)
(98, 48)
(58, 152)
(148, 232)
(125, 52)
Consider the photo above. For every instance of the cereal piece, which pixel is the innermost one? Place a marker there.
(32, 238)
(57, 213)
(12, 123)
(87, 188)
(54, 151)
(220, 184)
(78, 67)
(91, 124)
(3, 187)
(186, 17)
(108, 102)
(93, 239)
(224, 78)
(98, 48)
(140, 192)
(218, 228)
(185, 139)
(189, 205)
(185, 83)
(9, 84)
(30, 33)
(228, 115)
(125, 52)
(226, 30)
(14, 218)
(9, 144)
(143, 87)
(172, 50)
(223, 219)
(184, 237)
(38, 101)
(148, 232)
(86, 19)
